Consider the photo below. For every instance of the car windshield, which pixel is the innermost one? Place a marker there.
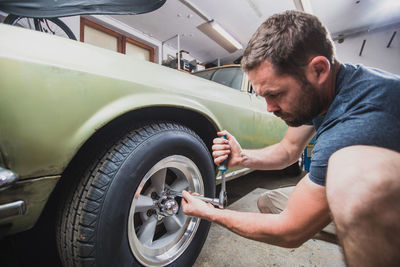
(206, 74)
(231, 77)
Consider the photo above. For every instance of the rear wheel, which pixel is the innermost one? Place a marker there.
(124, 211)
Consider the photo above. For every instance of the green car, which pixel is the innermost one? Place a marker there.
(106, 140)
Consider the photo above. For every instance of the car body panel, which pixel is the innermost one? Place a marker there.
(34, 193)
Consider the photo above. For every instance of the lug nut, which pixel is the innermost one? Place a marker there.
(150, 212)
(154, 195)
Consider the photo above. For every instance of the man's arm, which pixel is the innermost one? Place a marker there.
(306, 213)
(275, 157)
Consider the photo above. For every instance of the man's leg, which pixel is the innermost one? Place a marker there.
(363, 191)
(274, 201)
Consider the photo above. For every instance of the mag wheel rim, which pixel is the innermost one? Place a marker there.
(158, 230)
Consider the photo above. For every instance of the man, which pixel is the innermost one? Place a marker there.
(354, 113)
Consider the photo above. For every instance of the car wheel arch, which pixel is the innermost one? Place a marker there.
(204, 126)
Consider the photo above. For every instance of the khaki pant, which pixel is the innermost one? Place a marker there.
(274, 201)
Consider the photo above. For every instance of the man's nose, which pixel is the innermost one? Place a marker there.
(271, 106)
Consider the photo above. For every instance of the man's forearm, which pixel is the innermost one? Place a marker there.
(266, 228)
(306, 213)
(273, 157)
(280, 155)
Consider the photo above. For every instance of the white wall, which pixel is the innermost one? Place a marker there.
(375, 53)
(115, 25)
(73, 23)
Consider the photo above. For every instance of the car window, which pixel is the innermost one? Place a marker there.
(205, 74)
(231, 77)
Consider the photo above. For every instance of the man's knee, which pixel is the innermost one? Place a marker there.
(265, 202)
(262, 205)
(360, 178)
(343, 169)
(274, 201)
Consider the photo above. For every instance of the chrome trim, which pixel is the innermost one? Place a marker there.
(234, 174)
(12, 209)
(7, 178)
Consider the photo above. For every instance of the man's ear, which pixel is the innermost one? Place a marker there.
(318, 70)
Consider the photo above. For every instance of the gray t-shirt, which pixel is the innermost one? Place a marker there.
(365, 111)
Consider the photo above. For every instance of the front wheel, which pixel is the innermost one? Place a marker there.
(124, 211)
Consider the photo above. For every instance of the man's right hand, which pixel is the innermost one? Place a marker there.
(222, 148)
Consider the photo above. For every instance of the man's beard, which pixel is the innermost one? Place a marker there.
(309, 105)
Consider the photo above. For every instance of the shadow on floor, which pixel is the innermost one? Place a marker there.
(259, 179)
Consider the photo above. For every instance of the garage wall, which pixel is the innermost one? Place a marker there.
(375, 52)
(115, 25)
(73, 23)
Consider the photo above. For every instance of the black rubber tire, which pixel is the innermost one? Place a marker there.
(12, 19)
(92, 225)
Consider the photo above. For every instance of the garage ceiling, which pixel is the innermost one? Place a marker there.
(242, 17)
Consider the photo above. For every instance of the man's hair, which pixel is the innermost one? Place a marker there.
(287, 40)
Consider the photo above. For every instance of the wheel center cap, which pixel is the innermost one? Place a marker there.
(170, 207)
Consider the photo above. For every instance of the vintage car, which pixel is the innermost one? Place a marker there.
(101, 141)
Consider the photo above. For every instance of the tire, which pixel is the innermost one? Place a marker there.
(118, 215)
(43, 25)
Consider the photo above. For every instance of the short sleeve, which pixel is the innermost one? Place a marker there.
(366, 126)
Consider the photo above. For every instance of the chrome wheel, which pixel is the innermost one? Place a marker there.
(158, 230)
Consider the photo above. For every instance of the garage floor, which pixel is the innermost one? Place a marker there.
(223, 248)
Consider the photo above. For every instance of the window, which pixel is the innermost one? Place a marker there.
(207, 74)
(231, 77)
(135, 49)
(98, 35)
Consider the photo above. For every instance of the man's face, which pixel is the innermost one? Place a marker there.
(294, 101)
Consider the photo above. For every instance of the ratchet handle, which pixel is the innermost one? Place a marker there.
(215, 201)
(224, 165)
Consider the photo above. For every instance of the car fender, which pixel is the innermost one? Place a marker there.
(135, 102)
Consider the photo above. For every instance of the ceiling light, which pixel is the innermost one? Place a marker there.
(303, 5)
(225, 34)
(216, 33)
(213, 30)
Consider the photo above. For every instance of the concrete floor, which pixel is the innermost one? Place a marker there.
(222, 247)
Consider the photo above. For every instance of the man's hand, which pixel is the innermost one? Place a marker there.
(195, 207)
(222, 148)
